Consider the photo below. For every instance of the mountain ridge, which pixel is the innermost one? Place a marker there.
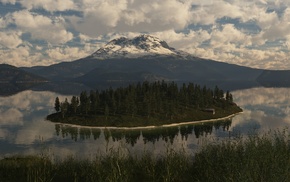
(9, 74)
(146, 57)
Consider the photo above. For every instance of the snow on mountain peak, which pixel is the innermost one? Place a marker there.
(143, 45)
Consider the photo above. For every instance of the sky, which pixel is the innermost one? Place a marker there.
(253, 33)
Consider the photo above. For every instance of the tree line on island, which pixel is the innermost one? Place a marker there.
(159, 99)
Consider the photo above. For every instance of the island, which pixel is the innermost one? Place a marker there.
(145, 104)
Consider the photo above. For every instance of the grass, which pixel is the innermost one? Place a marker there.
(188, 115)
(255, 158)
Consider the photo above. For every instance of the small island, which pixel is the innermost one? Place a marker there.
(145, 104)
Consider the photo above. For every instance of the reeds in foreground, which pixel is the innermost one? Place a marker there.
(254, 158)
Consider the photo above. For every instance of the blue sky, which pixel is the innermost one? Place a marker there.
(254, 33)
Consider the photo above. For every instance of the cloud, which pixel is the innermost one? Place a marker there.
(67, 53)
(3, 23)
(26, 56)
(278, 29)
(208, 13)
(228, 34)
(41, 27)
(19, 56)
(8, 1)
(10, 39)
(48, 5)
(98, 17)
(11, 116)
(35, 131)
(249, 33)
(184, 40)
(121, 16)
(271, 108)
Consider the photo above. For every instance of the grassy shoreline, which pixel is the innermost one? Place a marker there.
(139, 122)
(253, 158)
(151, 127)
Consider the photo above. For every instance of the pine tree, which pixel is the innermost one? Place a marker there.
(57, 105)
(74, 104)
(93, 102)
(84, 102)
(106, 111)
(64, 107)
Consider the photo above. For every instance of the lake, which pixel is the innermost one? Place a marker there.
(24, 130)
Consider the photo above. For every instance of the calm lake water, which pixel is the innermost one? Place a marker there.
(24, 130)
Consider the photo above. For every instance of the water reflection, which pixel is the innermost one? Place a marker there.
(24, 130)
(167, 134)
(264, 109)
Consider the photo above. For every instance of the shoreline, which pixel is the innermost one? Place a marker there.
(149, 127)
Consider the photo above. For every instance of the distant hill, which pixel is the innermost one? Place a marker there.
(278, 78)
(11, 74)
(168, 69)
(148, 58)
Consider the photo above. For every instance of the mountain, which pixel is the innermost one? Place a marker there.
(117, 57)
(11, 74)
(14, 80)
(141, 46)
(147, 58)
(278, 78)
(168, 69)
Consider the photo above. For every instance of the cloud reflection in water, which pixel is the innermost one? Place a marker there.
(24, 129)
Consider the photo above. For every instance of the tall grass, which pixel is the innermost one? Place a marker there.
(255, 158)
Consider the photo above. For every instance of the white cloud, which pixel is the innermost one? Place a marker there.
(17, 57)
(8, 1)
(10, 39)
(208, 14)
(49, 5)
(34, 132)
(67, 53)
(3, 23)
(99, 17)
(184, 40)
(266, 20)
(122, 16)
(228, 34)
(221, 29)
(41, 27)
(25, 56)
(11, 116)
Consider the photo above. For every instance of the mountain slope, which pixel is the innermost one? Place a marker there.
(10, 73)
(274, 77)
(143, 58)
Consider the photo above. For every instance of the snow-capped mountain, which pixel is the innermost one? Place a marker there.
(143, 58)
(141, 46)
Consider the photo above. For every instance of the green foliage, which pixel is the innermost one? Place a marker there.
(255, 158)
(158, 101)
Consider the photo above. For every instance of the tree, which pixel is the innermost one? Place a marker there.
(64, 107)
(94, 101)
(216, 92)
(74, 104)
(57, 105)
(107, 111)
(84, 102)
(229, 97)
